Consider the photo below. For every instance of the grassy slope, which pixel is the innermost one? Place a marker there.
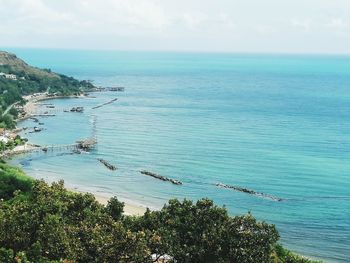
(13, 179)
(31, 80)
(19, 65)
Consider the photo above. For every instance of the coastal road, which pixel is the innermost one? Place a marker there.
(9, 108)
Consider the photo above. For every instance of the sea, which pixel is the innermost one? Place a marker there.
(277, 124)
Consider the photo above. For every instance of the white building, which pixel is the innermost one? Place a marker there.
(8, 76)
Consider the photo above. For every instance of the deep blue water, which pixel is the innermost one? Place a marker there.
(277, 124)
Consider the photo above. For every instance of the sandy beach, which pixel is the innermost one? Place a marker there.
(29, 108)
(129, 209)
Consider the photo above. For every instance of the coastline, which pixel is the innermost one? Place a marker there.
(129, 208)
(28, 109)
(33, 99)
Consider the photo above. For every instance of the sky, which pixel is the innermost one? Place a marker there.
(262, 26)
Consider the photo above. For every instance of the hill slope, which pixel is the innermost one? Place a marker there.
(16, 64)
(17, 79)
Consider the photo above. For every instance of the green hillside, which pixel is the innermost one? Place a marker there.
(17, 79)
(9, 60)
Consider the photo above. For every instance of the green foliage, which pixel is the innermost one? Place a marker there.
(12, 143)
(31, 80)
(11, 180)
(6, 255)
(203, 232)
(115, 208)
(7, 121)
(53, 224)
(282, 255)
(47, 223)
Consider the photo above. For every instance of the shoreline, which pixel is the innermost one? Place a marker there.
(33, 99)
(30, 107)
(129, 208)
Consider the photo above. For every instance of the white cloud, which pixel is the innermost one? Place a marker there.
(194, 20)
(265, 29)
(337, 23)
(225, 20)
(143, 14)
(222, 25)
(303, 24)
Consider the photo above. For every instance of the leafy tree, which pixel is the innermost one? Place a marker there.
(203, 232)
(115, 208)
(6, 255)
(47, 223)
(53, 223)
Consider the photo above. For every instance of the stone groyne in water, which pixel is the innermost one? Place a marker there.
(160, 177)
(103, 104)
(107, 164)
(249, 191)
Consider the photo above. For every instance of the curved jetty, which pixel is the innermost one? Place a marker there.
(106, 103)
(160, 177)
(107, 164)
(249, 191)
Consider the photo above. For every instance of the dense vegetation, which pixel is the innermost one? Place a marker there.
(30, 80)
(43, 223)
(12, 143)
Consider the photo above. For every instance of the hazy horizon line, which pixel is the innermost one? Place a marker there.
(179, 51)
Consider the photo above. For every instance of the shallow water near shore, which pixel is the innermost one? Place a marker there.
(274, 124)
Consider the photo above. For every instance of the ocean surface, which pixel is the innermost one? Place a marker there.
(276, 124)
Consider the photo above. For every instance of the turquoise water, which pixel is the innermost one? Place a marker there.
(278, 124)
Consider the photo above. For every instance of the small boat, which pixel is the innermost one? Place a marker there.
(79, 109)
(37, 129)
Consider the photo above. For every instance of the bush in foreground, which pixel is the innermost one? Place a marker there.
(13, 179)
(50, 224)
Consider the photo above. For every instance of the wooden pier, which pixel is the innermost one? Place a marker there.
(82, 145)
